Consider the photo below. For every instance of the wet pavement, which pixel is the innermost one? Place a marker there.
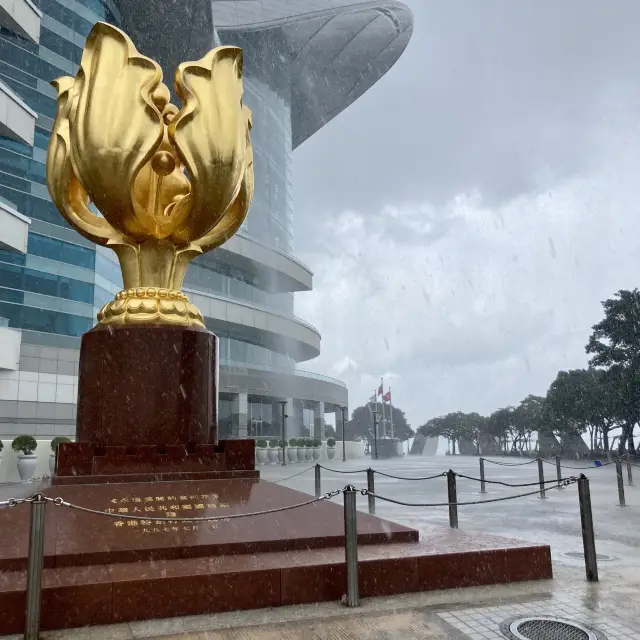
(612, 606)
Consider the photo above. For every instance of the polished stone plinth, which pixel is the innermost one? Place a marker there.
(147, 385)
(101, 570)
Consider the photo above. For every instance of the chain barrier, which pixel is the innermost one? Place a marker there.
(510, 464)
(340, 471)
(592, 466)
(366, 492)
(295, 475)
(59, 502)
(388, 475)
(30, 481)
(507, 484)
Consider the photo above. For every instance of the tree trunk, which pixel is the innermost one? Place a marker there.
(631, 448)
(605, 438)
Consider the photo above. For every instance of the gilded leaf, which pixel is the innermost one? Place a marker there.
(115, 126)
(209, 134)
(64, 187)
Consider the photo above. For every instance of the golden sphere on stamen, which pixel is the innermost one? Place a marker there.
(163, 163)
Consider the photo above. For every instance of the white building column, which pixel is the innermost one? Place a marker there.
(318, 421)
(239, 412)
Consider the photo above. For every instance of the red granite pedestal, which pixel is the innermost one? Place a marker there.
(147, 400)
(102, 570)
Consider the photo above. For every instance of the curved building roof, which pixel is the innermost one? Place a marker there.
(339, 48)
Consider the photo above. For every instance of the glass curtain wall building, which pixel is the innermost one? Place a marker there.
(304, 63)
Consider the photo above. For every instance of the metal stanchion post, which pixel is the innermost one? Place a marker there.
(351, 546)
(318, 482)
(559, 472)
(34, 567)
(588, 537)
(541, 478)
(620, 483)
(371, 487)
(483, 487)
(453, 499)
(629, 472)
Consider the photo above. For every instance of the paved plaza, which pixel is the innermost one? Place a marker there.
(611, 606)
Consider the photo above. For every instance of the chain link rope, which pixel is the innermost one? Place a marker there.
(366, 492)
(60, 502)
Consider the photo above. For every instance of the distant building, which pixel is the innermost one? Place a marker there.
(305, 62)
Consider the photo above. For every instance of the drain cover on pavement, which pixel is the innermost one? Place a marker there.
(547, 628)
(579, 555)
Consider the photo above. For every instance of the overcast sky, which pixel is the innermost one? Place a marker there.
(467, 215)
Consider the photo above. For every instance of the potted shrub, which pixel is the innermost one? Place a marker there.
(25, 445)
(308, 443)
(302, 449)
(261, 451)
(316, 449)
(331, 448)
(281, 447)
(292, 450)
(54, 448)
(273, 451)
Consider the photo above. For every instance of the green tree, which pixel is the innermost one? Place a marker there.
(361, 423)
(568, 401)
(615, 346)
(499, 425)
(528, 419)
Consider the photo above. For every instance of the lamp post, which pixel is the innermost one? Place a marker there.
(283, 403)
(344, 450)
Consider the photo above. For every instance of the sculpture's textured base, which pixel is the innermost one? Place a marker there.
(146, 305)
(99, 570)
(147, 385)
(82, 463)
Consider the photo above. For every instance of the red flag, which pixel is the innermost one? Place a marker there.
(380, 390)
(387, 396)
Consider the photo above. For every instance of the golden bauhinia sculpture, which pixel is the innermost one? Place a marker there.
(170, 184)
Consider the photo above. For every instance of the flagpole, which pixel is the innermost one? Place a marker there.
(391, 412)
(375, 425)
(384, 424)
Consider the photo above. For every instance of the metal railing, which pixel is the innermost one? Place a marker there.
(559, 480)
(39, 501)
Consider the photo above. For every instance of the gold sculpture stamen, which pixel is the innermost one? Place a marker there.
(170, 184)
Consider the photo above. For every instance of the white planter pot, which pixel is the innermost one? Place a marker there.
(309, 454)
(262, 456)
(52, 462)
(280, 455)
(302, 454)
(26, 467)
(331, 453)
(273, 455)
(292, 454)
(316, 453)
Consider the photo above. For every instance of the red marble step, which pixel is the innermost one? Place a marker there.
(104, 594)
(75, 538)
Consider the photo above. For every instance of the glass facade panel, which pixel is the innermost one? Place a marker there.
(267, 94)
(28, 68)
